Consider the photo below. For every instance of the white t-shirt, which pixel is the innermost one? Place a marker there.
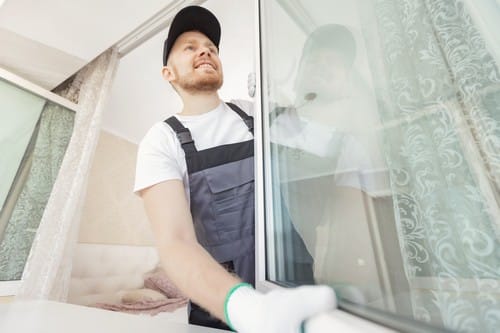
(160, 156)
(339, 153)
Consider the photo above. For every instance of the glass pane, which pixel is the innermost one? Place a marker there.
(34, 134)
(382, 154)
(19, 114)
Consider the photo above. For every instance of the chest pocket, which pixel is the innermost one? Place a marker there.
(232, 189)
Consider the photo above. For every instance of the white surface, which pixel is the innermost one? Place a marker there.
(82, 28)
(37, 90)
(65, 35)
(140, 97)
(9, 288)
(340, 321)
(53, 317)
(50, 66)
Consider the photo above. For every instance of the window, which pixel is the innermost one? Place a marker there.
(34, 134)
(20, 113)
(380, 157)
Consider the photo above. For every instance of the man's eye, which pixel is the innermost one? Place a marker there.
(189, 48)
(213, 50)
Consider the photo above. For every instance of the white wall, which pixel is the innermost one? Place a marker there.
(112, 214)
(140, 97)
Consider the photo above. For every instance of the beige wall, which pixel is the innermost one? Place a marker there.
(112, 214)
(6, 299)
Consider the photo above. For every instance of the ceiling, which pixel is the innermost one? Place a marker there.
(48, 41)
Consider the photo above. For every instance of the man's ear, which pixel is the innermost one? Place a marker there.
(168, 74)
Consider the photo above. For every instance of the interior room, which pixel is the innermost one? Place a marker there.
(375, 149)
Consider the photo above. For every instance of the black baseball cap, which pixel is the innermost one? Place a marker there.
(331, 37)
(192, 18)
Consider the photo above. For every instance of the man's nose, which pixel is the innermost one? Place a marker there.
(205, 51)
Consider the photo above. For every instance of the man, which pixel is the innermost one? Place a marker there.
(324, 149)
(195, 175)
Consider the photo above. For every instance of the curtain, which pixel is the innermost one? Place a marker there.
(48, 268)
(486, 16)
(438, 92)
(56, 126)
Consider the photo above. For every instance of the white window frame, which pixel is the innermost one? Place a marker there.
(10, 288)
(339, 320)
(37, 90)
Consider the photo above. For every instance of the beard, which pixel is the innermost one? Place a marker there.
(199, 84)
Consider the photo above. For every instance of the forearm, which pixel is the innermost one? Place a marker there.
(202, 279)
(197, 274)
(186, 262)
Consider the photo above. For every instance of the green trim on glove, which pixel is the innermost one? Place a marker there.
(226, 301)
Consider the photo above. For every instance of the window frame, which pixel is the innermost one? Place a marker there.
(348, 317)
(10, 288)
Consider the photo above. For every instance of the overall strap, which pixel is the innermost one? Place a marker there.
(183, 135)
(246, 118)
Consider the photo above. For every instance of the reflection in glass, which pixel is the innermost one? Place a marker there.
(384, 147)
(34, 134)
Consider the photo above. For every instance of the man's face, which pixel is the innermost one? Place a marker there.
(323, 72)
(194, 64)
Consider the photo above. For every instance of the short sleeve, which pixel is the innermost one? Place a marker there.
(157, 158)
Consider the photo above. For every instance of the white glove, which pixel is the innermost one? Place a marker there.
(279, 311)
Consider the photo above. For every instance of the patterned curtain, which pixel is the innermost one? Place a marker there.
(56, 127)
(438, 91)
(48, 268)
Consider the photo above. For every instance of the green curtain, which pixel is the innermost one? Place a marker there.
(56, 128)
(438, 91)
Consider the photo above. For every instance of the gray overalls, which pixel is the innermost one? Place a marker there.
(221, 183)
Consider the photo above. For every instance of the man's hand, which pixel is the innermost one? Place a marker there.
(279, 311)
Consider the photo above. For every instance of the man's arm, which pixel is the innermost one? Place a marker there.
(203, 280)
(186, 262)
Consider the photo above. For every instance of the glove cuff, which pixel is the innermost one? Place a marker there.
(228, 297)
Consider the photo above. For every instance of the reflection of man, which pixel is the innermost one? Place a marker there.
(330, 119)
(322, 151)
(326, 64)
(195, 175)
